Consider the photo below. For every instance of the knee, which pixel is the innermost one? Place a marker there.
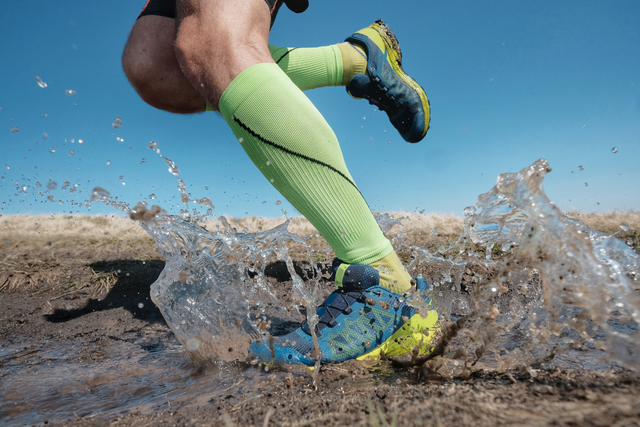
(143, 75)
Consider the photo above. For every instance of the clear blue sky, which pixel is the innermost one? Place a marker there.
(509, 82)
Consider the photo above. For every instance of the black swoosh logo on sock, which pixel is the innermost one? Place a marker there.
(293, 153)
(287, 53)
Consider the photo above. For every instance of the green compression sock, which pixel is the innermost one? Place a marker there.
(310, 68)
(287, 138)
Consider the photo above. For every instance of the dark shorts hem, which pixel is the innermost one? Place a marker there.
(167, 8)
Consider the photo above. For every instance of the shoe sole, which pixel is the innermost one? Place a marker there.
(394, 57)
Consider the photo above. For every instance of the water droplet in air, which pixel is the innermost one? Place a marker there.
(175, 170)
(614, 150)
(140, 305)
(278, 202)
(53, 150)
(15, 129)
(108, 162)
(99, 194)
(434, 232)
(271, 180)
(143, 160)
(70, 92)
(152, 196)
(40, 82)
(580, 168)
(73, 140)
(121, 177)
(152, 145)
(629, 242)
(71, 153)
(388, 142)
(117, 122)
(625, 226)
(586, 184)
(80, 142)
(119, 139)
(45, 136)
(206, 188)
(241, 140)
(268, 162)
(24, 188)
(52, 185)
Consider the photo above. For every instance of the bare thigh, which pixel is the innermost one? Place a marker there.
(150, 64)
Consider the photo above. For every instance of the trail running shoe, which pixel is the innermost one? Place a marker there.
(387, 86)
(359, 320)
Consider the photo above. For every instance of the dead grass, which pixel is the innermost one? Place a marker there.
(37, 250)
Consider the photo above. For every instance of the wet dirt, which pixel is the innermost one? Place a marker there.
(90, 348)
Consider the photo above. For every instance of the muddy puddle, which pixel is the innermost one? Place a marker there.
(524, 289)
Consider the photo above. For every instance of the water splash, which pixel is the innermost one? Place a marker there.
(564, 286)
(117, 123)
(521, 284)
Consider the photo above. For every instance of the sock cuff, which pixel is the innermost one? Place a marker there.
(246, 83)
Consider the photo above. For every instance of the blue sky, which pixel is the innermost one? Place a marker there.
(509, 82)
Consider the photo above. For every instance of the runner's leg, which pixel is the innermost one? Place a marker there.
(222, 48)
(150, 64)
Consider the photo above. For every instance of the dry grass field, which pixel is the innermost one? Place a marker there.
(36, 248)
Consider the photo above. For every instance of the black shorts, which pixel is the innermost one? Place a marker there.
(167, 8)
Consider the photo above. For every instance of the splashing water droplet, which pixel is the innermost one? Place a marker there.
(434, 232)
(130, 147)
(152, 145)
(175, 170)
(117, 122)
(80, 142)
(278, 202)
(108, 162)
(24, 188)
(121, 177)
(268, 162)
(580, 168)
(71, 152)
(52, 185)
(53, 149)
(241, 140)
(614, 150)
(119, 139)
(271, 180)
(45, 136)
(586, 184)
(625, 226)
(152, 196)
(70, 92)
(40, 82)
(143, 160)
(99, 194)
(15, 129)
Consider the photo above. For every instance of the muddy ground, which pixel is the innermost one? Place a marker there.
(82, 344)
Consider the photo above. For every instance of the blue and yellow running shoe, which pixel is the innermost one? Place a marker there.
(387, 86)
(362, 320)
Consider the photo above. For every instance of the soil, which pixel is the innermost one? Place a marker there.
(88, 347)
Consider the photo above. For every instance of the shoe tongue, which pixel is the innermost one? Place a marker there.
(357, 277)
